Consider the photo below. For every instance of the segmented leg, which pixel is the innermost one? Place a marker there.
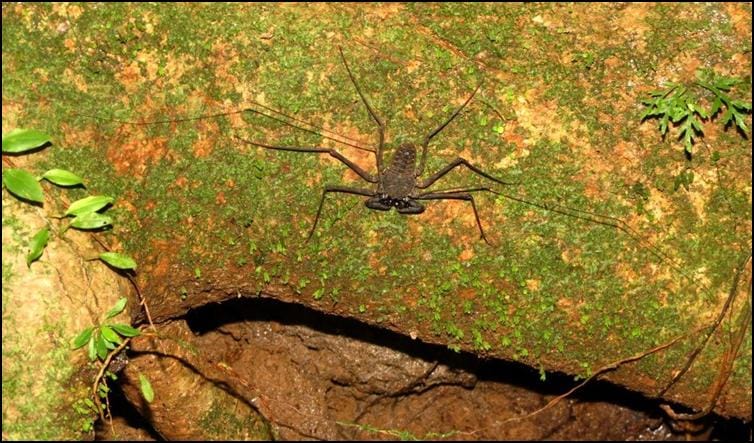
(605, 220)
(333, 153)
(413, 208)
(343, 189)
(319, 131)
(380, 124)
(455, 163)
(457, 196)
(593, 217)
(423, 161)
(376, 204)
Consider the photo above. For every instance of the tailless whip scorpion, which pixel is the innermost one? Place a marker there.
(398, 184)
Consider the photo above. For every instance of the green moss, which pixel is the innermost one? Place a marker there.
(221, 421)
(41, 408)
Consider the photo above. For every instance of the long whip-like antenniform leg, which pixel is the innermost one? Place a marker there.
(604, 220)
(455, 163)
(456, 196)
(318, 131)
(333, 153)
(423, 161)
(380, 124)
(593, 217)
(457, 190)
(343, 189)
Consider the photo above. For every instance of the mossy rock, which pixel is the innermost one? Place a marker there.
(193, 400)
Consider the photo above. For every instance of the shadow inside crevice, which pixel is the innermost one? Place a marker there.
(128, 423)
(213, 316)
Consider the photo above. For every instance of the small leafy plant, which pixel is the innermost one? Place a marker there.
(85, 407)
(104, 340)
(146, 388)
(400, 434)
(20, 182)
(27, 187)
(681, 105)
(105, 337)
(86, 215)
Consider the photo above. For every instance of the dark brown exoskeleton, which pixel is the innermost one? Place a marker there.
(398, 184)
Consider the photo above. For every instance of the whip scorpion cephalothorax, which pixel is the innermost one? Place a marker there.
(398, 184)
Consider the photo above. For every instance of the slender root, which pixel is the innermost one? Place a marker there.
(101, 374)
(726, 306)
(729, 357)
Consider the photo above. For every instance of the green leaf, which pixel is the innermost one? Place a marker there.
(716, 104)
(678, 94)
(117, 308)
(91, 404)
(738, 104)
(699, 110)
(117, 260)
(83, 337)
(102, 390)
(740, 122)
(61, 177)
(92, 350)
(22, 184)
(110, 335)
(695, 124)
(319, 293)
(93, 203)
(100, 346)
(21, 140)
(91, 220)
(678, 114)
(725, 83)
(727, 116)
(125, 330)
(664, 124)
(108, 344)
(687, 144)
(38, 243)
(146, 388)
